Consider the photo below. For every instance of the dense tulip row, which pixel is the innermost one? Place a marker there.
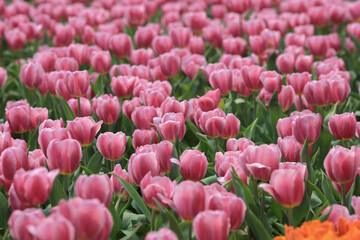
(155, 119)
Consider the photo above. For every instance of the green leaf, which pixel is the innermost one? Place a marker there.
(325, 216)
(4, 206)
(249, 131)
(356, 43)
(256, 227)
(117, 221)
(57, 193)
(68, 112)
(206, 148)
(95, 162)
(327, 190)
(85, 169)
(135, 195)
(331, 113)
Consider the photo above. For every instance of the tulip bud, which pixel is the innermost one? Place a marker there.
(193, 165)
(107, 108)
(171, 126)
(290, 148)
(21, 221)
(111, 146)
(77, 83)
(143, 117)
(83, 129)
(251, 76)
(285, 63)
(271, 81)
(223, 80)
(142, 163)
(161, 44)
(307, 126)
(317, 93)
(31, 75)
(169, 64)
(211, 225)
(162, 234)
(343, 126)
(116, 186)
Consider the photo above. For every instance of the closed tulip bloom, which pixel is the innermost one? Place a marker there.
(307, 126)
(251, 76)
(180, 36)
(235, 46)
(53, 227)
(141, 56)
(100, 61)
(83, 129)
(12, 159)
(254, 162)
(239, 83)
(339, 91)
(238, 6)
(210, 100)
(14, 201)
(33, 187)
(94, 187)
(212, 225)
(284, 127)
(143, 117)
(77, 83)
(286, 97)
(144, 36)
(46, 135)
(172, 105)
(121, 44)
(240, 144)
(161, 44)
(318, 93)
(285, 63)
(36, 159)
(258, 44)
(193, 165)
(107, 108)
(83, 213)
(144, 137)
(298, 81)
(223, 80)
(343, 126)
(159, 188)
(64, 35)
(64, 155)
(290, 149)
(79, 52)
(3, 76)
(286, 186)
(337, 211)
(212, 123)
(191, 65)
(169, 64)
(15, 39)
(129, 106)
(21, 221)
(303, 63)
(122, 86)
(231, 128)
(142, 163)
(317, 45)
(116, 186)
(271, 81)
(162, 234)
(300, 167)
(66, 64)
(189, 199)
(85, 106)
(171, 126)
(341, 164)
(224, 162)
(234, 207)
(355, 203)
(31, 75)
(111, 145)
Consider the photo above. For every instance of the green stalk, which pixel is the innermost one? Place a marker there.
(79, 107)
(301, 103)
(343, 194)
(190, 231)
(290, 216)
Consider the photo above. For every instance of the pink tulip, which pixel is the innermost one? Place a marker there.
(15, 39)
(231, 128)
(193, 165)
(111, 146)
(284, 127)
(171, 126)
(161, 44)
(251, 76)
(162, 234)
(77, 83)
(339, 91)
(66, 64)
(235, 46)
(343, 126)
(307, 126)
(223, 80)
(172, 105)
(100, 61)
(317, 93)
(21, 221)
(48, 134)
(254, 162)
(5, 141)
(286, 97)
(144, 137)
(234, 207)
(303, 63)
(239, 83)
(64, 155)
(3, 76)
(94, 187)
(163, 152)
(141, 56)
(55, 226)
(240, 144)
(271, 81)
(212, 123)
(290, 148)
(107, 108)
(122, 86)
(319, 15)
(83, 213)
(64, 35)
(224, 162)
(180, 36)
(197, 45)
(142, 163)
(85, 106)
(36, 159)
(79, 52)
(298, 81)
(295, 39)
(83, 129)
(33, 187)
(336, 212)
(317, 45)
(341, 164)
(159, 188)
(144, 36)
(121, 44)
(169, 64)
(210, 100)
(239, 7)
(258, 44)
(300, 167)
(143, 117)
(355, 203)
(189, 199)
(286, 186)
(191, 65)
(129, 106)
(116, 186)
(31, 75)
(211, 225)
(13, 159)
(285, 63)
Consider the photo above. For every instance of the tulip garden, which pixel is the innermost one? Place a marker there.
(187, 119)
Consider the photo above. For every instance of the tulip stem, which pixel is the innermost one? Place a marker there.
(290, 216)
(301, 103)
(79, 107)
(86, 156)
(263, 206)
(5, 236)
(117, 204)
(233, 235)
(113, 163)
(65, 184)
(190, 231)
(343, 194)
(254, 110)
(153, 217)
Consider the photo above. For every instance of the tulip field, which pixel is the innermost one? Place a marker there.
(179, 119)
